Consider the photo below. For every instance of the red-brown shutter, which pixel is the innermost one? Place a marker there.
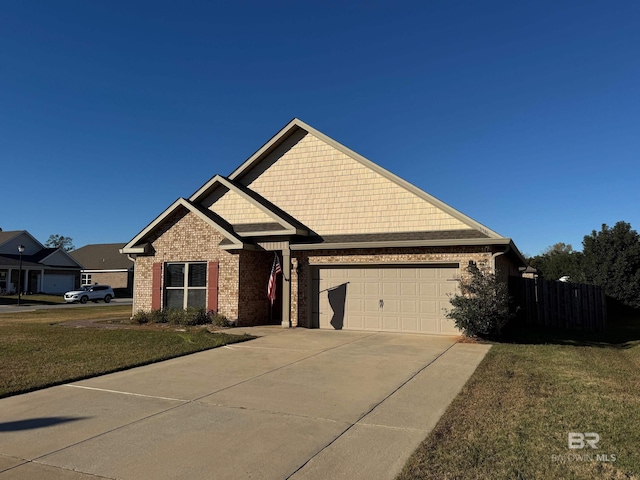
(156, 287)
(212, 286)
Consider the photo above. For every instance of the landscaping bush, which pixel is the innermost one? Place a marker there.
(158, 316)
(219, 320)
(141, 317)
(481, 309)
(179, 316)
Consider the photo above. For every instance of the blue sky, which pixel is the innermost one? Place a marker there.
(523, 115)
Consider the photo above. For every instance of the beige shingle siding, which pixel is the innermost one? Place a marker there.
(332, 193)
(235, 209)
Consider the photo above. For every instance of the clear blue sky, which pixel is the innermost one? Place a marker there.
(523, 115)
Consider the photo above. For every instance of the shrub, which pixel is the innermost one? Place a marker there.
(219, 320)
(179, 316)
(141, 317)
(196, 316)
(158, 316)
(481, 309)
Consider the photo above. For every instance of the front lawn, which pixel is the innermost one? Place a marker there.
(38, 350)
(514, 416)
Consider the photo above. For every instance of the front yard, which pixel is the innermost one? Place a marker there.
(514, 416)
(39, 349)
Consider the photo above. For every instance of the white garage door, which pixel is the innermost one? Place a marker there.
(397, 299)
(58, 283)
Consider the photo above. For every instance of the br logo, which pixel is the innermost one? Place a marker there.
(579, 440)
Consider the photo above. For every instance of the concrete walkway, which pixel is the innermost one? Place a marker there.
(298, 404)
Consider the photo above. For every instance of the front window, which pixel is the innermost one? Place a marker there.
(186, 285)
(86, 279)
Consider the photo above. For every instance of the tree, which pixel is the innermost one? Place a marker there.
(60, 241)
(557, 261)
(611, 259)
(482, 306)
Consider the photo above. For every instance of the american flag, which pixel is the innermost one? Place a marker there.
(271, 286)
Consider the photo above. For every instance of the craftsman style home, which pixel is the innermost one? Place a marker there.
(29, 267)
(359, 247)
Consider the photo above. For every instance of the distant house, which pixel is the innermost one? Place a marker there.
(44, 270)
(103, 263)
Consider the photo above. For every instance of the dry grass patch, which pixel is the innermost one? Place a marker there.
(513, 417)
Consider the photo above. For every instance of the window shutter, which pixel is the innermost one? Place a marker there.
(212, 286)
(156, 287)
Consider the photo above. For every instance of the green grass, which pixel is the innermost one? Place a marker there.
(37, 350)
(517, 409)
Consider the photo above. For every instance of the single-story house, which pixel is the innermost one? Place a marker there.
(103, 263)
(44, 270)
(359, 247)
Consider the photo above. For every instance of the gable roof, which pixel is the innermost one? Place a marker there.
(47, 257)
(138, 244)
(288, 188)
(6, 236)
(288, 224)
(102, 256)
(296, 125)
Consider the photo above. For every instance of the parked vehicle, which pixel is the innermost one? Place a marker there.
(90, 292)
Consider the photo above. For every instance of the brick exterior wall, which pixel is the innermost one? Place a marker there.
(301, 286)
(114, 279)
(255, 268)
(186, 238)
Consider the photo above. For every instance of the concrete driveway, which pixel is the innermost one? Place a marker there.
(299, 404)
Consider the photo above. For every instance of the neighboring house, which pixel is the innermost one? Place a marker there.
(103, 263)
(360, 248)
(44, 270)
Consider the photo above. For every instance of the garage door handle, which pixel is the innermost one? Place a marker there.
(381, 303)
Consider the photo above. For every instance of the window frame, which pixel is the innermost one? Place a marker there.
(85, 279)
(185, 287)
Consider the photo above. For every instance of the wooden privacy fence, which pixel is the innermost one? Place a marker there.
(573, 306)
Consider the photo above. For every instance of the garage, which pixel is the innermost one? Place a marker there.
(394, 298)
(58, 283)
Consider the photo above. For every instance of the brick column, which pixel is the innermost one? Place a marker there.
(286, 287)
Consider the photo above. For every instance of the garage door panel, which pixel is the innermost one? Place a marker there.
(408, 289)
(428, 325)
(428, 307)
(390, 306)
(372, 288)
(428, 289)
(372, 322)
(409, 306)
(409, 324)
(371, 306)
(389, 289)
(448, 326)
(391, 323)
(414, 298)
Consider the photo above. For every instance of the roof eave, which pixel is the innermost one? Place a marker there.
(404, 243)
